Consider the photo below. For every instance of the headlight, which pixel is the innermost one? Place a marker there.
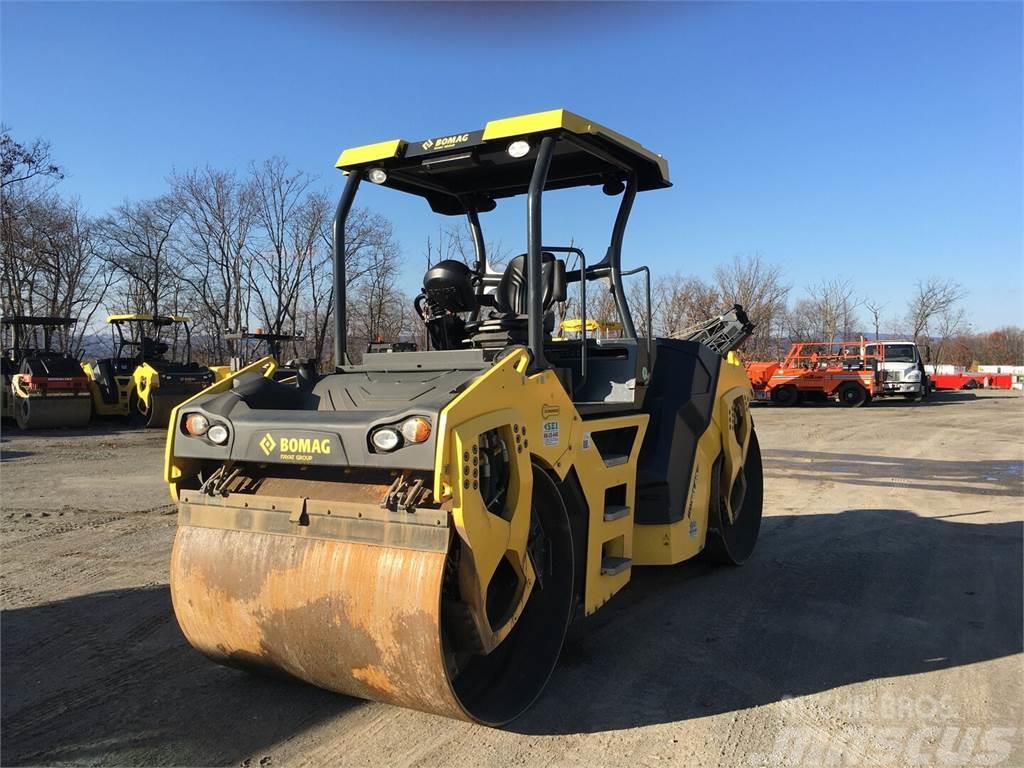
(218, 434)
(913, 376)
(196, 424)
(386, 439)
(416, 429)
(519, 148)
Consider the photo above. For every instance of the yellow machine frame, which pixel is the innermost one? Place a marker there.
(530, 408)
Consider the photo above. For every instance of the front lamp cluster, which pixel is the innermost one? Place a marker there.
(197, 425)
(390, 438)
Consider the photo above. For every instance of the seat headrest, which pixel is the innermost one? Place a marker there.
(510, 294)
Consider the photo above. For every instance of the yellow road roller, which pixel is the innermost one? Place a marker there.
(139, 381)
(422, 527)
(43, 388)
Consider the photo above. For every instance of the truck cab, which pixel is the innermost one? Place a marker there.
(900, 367)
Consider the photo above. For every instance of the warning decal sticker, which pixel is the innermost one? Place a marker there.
(550, 424)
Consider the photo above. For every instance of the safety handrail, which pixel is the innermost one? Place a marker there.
(647, 288)
(583, 300)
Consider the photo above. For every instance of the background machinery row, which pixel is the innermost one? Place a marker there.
(46, 388)
(850, 372)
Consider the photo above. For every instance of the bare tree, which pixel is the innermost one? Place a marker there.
(366, 234)
(749, 280)
(601, 305)
(380, 311)
(832, 302)
(27, 166)
(932, 299)
(217, 219)
(453, 241)
(679, 302)
(50, 262)
(75, 279)
(56, 269)
(802, 321)
(278, 265)
(949, 325)
(137, 242)
(28, 173)
(875, 309)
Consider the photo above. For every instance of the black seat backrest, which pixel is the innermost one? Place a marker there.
(153, 348)
(510, 294)
(105, 370)
(54, 364)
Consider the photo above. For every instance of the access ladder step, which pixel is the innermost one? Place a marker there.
(613, 565)
(615, 459)
(614, 512)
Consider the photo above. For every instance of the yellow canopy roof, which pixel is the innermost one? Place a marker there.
(574, 325)
(446, 170)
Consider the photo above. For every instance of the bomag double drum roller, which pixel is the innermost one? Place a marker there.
(43, 388)
(140, 381)
(421, 527)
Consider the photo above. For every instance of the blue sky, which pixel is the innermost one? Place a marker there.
(878, 142)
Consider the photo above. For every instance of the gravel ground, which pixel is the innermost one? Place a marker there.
(879, 623)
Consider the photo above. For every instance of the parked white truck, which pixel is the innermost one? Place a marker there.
(900, 368)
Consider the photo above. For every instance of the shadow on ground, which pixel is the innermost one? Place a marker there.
(935, 398)
(6, 455)
(893, 401)
(98, 427)
(985, 477)
(108, 679)
(826, 601)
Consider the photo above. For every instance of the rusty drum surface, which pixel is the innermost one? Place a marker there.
(355, 618)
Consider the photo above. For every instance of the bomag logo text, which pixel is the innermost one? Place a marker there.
(296, 448)
(450, 141)
(306, 445)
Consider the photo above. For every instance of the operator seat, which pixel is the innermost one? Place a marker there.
(153, 349)
(105, 370)
(509, 321)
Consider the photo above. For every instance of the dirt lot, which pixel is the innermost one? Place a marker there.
(879, 622)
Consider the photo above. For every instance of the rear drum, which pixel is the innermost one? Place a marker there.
(733, 542)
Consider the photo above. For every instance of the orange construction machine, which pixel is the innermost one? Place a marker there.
(819, 370)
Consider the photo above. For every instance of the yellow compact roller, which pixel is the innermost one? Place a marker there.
(140, 381)
(422, 527)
